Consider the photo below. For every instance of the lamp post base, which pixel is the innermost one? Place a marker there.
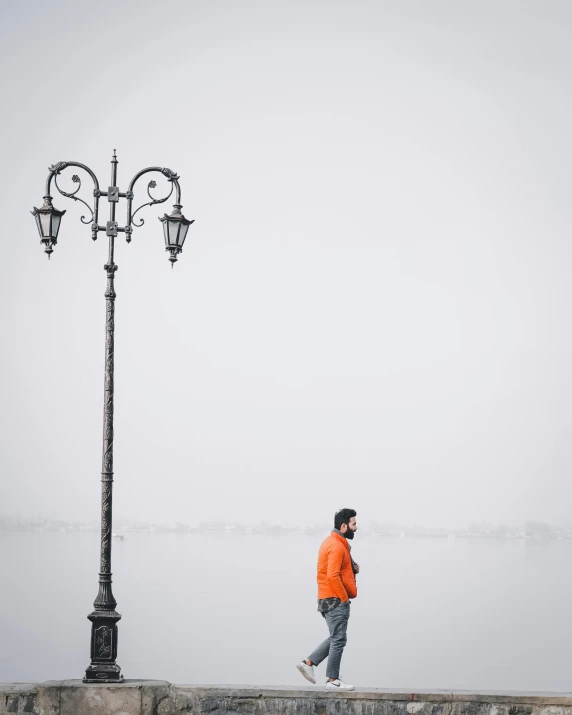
(100, 673)
(103, 668)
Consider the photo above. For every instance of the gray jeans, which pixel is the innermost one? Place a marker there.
(333, 647)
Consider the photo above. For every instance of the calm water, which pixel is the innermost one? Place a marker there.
(241, 609)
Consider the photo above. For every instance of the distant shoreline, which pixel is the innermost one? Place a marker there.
(122, 531)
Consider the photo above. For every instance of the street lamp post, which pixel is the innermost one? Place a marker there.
(103, 667)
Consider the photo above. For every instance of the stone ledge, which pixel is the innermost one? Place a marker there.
(157, 697)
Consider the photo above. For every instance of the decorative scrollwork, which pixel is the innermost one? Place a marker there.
(151, 185)
(106, 497)
(57, 168)
(170, 174)
(103, 642)
(72, 195)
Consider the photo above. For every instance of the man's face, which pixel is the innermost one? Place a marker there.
(349, 530)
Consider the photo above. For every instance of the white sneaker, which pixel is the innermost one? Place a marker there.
(307, 671)
(338, 685)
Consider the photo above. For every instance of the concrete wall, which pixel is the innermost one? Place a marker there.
(151, 697)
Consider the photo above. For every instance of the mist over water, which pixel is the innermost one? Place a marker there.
(208, 608)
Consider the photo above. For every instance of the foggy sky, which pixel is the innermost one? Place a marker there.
(373, 306)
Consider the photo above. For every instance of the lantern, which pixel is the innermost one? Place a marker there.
(175, 228)
(48, 221)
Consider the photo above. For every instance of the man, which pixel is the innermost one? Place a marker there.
(336, 586)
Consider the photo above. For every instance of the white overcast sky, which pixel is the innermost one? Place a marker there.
(374, 306)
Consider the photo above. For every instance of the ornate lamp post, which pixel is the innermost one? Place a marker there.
(103, 668)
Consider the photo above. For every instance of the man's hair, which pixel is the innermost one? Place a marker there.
(343, 516)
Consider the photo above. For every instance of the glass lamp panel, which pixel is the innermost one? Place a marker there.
(56, 218)
(174, 232)
(183, 234)
(180, 233)
(166, 232)
(45, 224)
(39, 224)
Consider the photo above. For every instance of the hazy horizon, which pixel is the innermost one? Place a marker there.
(121, 522)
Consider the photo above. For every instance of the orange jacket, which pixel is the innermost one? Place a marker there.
(335, 574)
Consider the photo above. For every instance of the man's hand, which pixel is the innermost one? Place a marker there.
(357, 568)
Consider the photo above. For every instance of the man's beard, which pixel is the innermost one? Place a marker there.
(349, 534)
